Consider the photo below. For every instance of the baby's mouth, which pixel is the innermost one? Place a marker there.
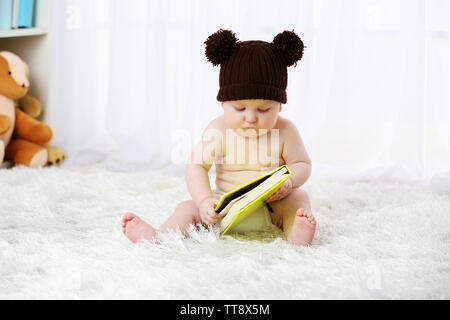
(248, 131)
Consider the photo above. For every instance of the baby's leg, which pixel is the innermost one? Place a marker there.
(136, 229)
(186, 213)
(293, 216)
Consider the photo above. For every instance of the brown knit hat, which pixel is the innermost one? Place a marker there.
(253, 69)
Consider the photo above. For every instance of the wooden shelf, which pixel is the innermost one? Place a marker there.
(23, 32)
(33, 46)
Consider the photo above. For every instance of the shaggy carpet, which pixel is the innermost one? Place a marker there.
(61, 238)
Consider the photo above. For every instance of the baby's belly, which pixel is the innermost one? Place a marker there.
(230, 177)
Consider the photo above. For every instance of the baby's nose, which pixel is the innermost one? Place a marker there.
(250, 117)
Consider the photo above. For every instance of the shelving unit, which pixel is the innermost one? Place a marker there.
(22, 32)
(33, 46)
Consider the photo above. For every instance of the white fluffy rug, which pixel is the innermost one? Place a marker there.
(61, 238)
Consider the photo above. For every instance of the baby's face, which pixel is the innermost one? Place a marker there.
(250, 116)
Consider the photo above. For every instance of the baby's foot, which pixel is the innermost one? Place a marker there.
(136, 229)
(303, 228)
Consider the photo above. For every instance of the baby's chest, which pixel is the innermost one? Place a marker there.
(251, 154)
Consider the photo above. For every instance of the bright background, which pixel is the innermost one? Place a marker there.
(130, 83)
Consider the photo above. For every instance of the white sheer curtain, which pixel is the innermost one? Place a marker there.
(131, 84)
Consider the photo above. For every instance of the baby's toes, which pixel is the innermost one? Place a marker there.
(128, 217)
(311, 219)
(301, 212)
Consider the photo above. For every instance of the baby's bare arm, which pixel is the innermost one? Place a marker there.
(294, 154)
(198, 183)
(200, 163)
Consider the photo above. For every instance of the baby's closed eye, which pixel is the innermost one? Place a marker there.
(259, 110)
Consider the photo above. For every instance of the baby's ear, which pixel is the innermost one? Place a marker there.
(289, 46)
(220, 46)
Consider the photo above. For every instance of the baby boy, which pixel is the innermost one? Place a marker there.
(248, 140)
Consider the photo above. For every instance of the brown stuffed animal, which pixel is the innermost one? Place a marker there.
(21, 136)
(33, 107)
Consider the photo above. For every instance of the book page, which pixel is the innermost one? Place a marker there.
(225, 210)
(252, 195)
(241, 191)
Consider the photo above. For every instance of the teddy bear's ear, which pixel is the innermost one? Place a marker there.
(289, 46)
(220, 46)
(4, 65)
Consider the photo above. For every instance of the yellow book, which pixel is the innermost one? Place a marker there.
(240, 203)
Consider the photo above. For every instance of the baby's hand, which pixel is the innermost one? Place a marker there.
(207, 213)
(284, 191)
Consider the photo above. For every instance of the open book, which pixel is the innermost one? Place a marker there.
(241, 202)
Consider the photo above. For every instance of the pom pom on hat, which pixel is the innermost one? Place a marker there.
(220, 46)
(289, 46)
(253, 69)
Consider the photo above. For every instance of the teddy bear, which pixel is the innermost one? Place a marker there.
(23, 139)
(32, 107)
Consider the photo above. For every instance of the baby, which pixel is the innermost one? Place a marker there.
(248, 140)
